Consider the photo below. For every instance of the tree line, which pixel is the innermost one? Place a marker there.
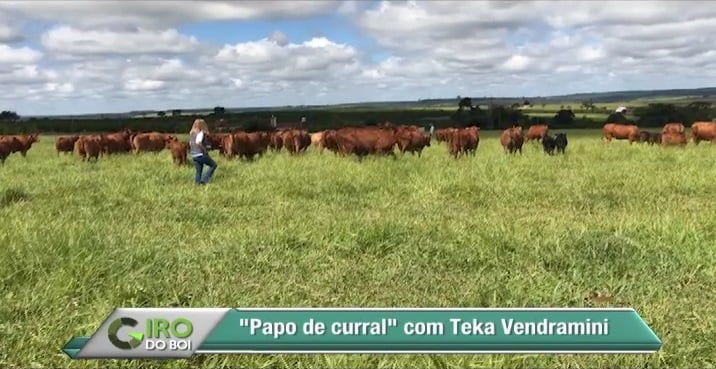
(466, 114)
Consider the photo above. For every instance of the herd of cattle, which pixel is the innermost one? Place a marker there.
(359, 141)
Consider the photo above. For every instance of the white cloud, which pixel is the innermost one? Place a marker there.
(68, 40)
(130, 55)
(160, 14)
(266, 59)
(9, 34)
(20, 55)
(516, 63)
(143, 84)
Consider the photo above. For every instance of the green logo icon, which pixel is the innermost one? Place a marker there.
(135, 338)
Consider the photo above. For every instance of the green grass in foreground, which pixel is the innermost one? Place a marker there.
(636, 221)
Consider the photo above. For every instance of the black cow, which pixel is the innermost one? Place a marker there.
(560, 141)
(548, 143)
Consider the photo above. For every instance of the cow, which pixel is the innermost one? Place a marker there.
(412, 141)
(703, 131)
(23, 143)
(512, 140)
(536, 132)
(179, 152)
(118, 142)
(88, 147)
(620, 132)
(673, 139)
(248, 145)
(548, 144)
(644, 136)
(655, 139)
(7, 145)
(365, 141)
(441, 134)
(328, 141)
(463, 141)
(276, 141)
(296, 141)
(65, 144)
(229, 146)
(152, 142)
(560, 142)
(214, 140)
(673, 128)
(316, 139)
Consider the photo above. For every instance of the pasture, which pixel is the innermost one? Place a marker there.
(636, 222)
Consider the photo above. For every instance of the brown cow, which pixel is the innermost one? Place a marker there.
(328, 141)
(7, 145)
(65, 144)
(412, 141)
(179, 152)
(512, 140)
(366, 140)
(536, 132)
(247, 145)
(296, 141)
(118, 142)
(88, 147)
(152, 142)
(23, 143)
(441, 134)
(673, 128)
(620, 132)
(673, 139)
(215, 140)
(276, 140)
(703, 131)
(463, 141)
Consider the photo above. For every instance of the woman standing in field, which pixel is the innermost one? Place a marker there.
(199, 153)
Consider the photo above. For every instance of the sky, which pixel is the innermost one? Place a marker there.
(80, 57)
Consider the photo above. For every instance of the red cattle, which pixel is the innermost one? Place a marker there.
(536, 132)
(673, 128)
(512, 140)
(152, 142)
(179, 152)
(620, 132)
(65, 143)
(463, 141)
(703, 131)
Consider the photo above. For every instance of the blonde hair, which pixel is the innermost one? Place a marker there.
(199, 125)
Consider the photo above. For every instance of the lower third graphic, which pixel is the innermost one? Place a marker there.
(135, 338)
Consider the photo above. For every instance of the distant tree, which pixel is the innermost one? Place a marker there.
(219, 110)
(161, 113)
(176, 112)
(563, 118)
(658, 114)
(588, 105)
(9, 116)
(465, 102)
(515, 105)
(618, 118)
(526, 103)
(543, 105)
(700, 105)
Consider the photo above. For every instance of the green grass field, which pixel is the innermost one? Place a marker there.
(637, 222)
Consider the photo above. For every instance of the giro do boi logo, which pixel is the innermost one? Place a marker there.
(159, 334)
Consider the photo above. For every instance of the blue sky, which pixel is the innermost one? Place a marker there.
(74, 57)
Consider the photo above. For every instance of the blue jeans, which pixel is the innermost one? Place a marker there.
(199, 163)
